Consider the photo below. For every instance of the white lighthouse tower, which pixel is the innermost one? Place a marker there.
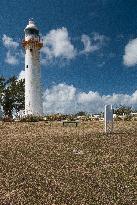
(33, 92)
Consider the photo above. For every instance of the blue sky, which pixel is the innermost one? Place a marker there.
(99, 53)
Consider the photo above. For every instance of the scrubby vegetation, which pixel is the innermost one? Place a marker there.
(31, 118)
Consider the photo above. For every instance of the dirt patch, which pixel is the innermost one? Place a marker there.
(51, 164)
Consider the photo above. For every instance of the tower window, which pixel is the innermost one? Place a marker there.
(30, 49)
(26, 66)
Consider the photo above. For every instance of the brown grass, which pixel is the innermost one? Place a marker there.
(54, 165)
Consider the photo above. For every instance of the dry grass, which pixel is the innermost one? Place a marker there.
(55, 165)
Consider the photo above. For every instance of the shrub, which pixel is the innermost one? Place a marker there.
(118, 118)
(128, 117)
(7, 119)
(31, 118)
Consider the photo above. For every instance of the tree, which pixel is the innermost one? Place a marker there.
(123, 109)
(13, 96)
(19, 103)
(81, 113)
(2, 86)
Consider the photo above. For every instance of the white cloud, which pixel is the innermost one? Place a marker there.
(63, 98)
(21, 75)
(88, 48)
(8, 42)
(92, 44)
(13, 54)
(11, 59)
(98, 37)
(57, 44)
(130, 56)
(59, 99)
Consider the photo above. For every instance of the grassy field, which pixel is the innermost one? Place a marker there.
(43, 164)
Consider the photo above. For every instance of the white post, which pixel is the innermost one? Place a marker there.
(123, 117)
(108, 118)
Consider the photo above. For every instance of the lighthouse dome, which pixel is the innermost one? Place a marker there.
(31, 28)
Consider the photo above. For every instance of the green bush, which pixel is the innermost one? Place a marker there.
(7, 119)
(127, 117)
(31, 118)
(118, 118)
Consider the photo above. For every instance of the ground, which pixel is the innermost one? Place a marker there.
(48, 164)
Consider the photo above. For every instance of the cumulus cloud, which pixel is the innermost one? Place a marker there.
(130, 56)
(21, 75)
(63, 98)
(8, 42)
(59, 99)
(92, 44)
(11, 59)
(88, 48)
(13, 53)
(57, 44)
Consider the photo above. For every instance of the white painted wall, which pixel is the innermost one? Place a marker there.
(33, 92)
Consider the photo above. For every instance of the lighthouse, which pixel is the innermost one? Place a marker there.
(33, 93)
